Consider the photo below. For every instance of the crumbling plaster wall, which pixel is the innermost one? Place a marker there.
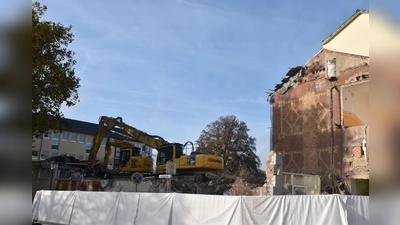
(356, 164)
(304, 114)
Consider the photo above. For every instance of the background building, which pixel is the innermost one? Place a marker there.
(77, 142)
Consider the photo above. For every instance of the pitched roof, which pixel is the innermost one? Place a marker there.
(90, 128)
(345, 24)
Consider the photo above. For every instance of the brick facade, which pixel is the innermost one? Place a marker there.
(307, 120)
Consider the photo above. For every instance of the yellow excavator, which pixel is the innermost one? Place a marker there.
(132, 158)
(195, 162)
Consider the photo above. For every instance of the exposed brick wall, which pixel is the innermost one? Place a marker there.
(302, 118)
(355, 163)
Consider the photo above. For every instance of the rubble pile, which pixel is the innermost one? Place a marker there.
(212, 183)
(72, 176)
(215, 183)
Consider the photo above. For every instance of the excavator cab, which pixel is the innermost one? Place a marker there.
(168, 152)
(132, 161)
(126, 155)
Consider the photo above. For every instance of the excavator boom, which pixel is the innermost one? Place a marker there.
(107, 124)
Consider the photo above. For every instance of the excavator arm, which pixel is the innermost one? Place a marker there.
(134, 134)
(107, 124)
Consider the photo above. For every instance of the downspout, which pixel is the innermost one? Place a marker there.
(364, 148)
(333, 134)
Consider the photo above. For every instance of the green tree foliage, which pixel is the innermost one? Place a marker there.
(227, 137)
(53, 78)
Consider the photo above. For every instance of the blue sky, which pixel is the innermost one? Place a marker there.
(170, 67)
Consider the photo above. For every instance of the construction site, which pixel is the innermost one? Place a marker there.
(178, 168)
(317, 170)
(67, 190)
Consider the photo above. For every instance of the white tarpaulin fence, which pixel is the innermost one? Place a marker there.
(75, 207)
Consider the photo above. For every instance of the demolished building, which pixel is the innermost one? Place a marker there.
(319, 112)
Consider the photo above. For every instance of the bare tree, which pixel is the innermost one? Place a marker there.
(227, 137)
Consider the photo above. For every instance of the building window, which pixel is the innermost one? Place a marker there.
(117, 152)
(35, 154)
(54, 154)
(103, 143)
(81, 138)
(73, 137)
(65, 136)
(55, 141)
(89, 143)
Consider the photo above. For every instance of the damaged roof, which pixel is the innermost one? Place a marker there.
(287, 82)
(291, 73)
